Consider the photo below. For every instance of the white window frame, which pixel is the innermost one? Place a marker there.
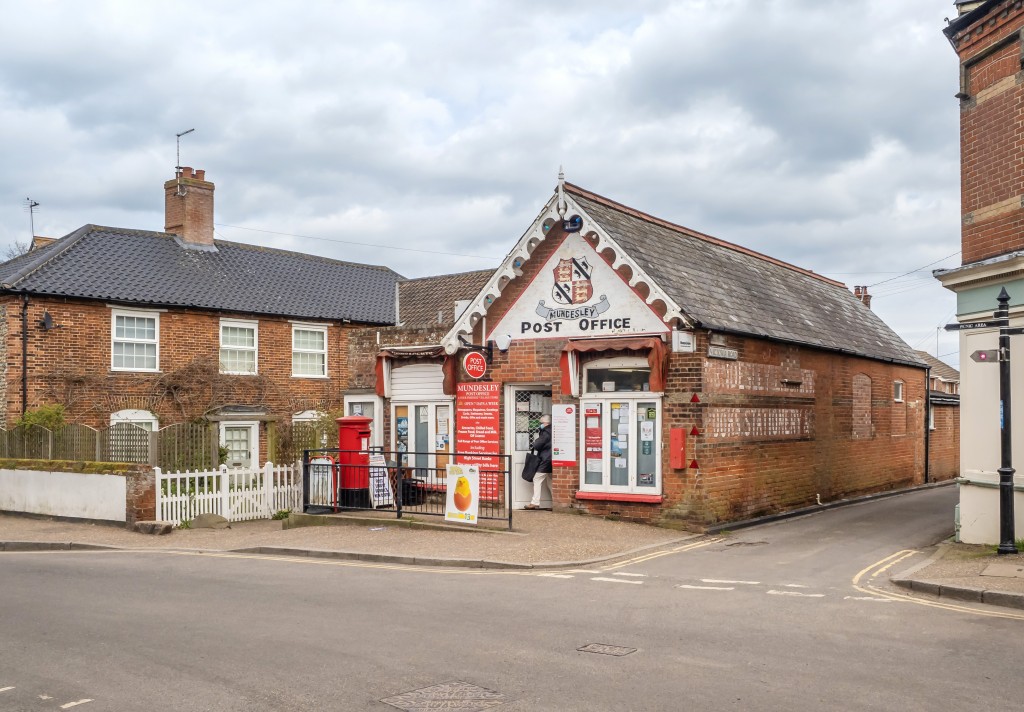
(897, 391)
(605, 399)
(376, 427)
(299, 326)
(241, 324)
(931, 417)
(139, 314)
(135, 416)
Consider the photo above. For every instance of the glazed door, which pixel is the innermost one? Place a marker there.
(523, 407)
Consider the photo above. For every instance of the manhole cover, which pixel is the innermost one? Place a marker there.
(602, 649)
(447, 696)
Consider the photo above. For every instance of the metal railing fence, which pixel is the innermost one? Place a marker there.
(405, 482)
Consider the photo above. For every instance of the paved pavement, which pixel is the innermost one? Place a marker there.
(539, 540)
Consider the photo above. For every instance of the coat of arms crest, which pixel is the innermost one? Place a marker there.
(572, 281)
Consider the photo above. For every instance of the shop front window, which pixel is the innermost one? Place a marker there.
(423, 435)
(620, 428)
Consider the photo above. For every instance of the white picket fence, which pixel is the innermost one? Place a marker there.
(238, 494)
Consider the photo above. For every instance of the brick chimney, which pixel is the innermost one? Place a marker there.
(862, 294)
(188, 207)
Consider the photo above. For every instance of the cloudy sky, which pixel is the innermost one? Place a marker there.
(427, 135)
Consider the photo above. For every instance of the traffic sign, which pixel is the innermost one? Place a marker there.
(985, 355)
(995, 324)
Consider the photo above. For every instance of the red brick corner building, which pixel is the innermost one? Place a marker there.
(690, 381)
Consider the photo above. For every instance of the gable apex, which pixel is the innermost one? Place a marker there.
(549, 221)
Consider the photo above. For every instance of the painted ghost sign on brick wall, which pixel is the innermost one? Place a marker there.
(577, 293)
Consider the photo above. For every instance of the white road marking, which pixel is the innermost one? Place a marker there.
(614, 580)
(582, 571)
(745, 583)
(796, 593)
(708, 588)
(623, 573)
(74, 704)
(867, 598)
(5, 689)
(45, 697)
(794, 585)
(562, 576)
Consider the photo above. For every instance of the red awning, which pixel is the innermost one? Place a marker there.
(657, 356)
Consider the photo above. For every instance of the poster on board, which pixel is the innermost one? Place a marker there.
(381, 494)
(462, 503)
(563, 435)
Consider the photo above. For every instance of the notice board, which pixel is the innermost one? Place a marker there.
(477, 433)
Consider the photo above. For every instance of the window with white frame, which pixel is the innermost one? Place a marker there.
(422, 436)
(238, 346)
(897, 391)
(931, 418)
(135, 340)
(309, 350)
(141, 418)
(368, 406)
(129, 435)
(620, 428)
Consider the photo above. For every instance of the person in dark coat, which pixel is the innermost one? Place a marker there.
(542, 449)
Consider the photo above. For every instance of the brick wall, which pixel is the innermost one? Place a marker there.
(944, 444)
(71, 365)
(991, 135)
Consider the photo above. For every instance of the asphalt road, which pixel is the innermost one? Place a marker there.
(764, 619)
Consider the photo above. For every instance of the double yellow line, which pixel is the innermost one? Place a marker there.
(879, 567)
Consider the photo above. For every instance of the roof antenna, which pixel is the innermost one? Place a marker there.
(177, 168)
(31, 206)
(560, 206)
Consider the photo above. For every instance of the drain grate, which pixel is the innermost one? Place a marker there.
(602, 649)
(455, 695)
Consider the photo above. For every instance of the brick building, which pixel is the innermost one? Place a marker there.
(943, 418)
(157, 328)
(987, 39)
(689, 380)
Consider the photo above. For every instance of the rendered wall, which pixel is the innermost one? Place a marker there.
(64, 494)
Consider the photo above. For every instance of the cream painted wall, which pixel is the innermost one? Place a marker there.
(979, 510)
(979, 403)
(64, 494)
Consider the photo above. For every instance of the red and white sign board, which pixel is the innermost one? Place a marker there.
(476, 433)
(563, 435)
(475, 364)
(577, 293)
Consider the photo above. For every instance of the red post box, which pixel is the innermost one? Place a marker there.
(354, 461)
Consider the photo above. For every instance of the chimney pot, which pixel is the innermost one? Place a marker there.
(200, 175)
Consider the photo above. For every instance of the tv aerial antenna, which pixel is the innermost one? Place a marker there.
(177, 167)
(30, 206)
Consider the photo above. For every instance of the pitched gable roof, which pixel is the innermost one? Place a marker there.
(421, 301)
(731, 288)
(940, 369)
(154, 269)
(706, 282)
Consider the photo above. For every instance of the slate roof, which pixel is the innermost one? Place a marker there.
(940, 369)
(732, 289)
(154, 269)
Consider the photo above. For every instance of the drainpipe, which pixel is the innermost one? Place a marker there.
(24, 354)
(927, 420)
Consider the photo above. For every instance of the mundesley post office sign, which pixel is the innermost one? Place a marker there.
(577, 293)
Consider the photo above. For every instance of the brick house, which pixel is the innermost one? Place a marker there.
(156, 328)
(690, 380)
(987, 39)
(943, 418)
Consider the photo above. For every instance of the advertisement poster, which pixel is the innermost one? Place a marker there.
(463, 494)
(477, 433)
(563, 435)
(380, 484)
